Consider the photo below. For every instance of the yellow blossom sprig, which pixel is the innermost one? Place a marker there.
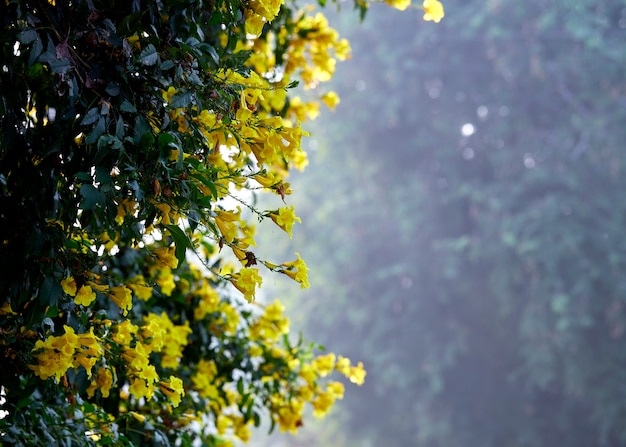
(296, 270)
(285, 218)
(433, 10)
(246, 281)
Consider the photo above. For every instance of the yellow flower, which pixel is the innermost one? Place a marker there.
(139, 417)
(324, 364)
(173, 389)
(242, 432)
(254, 23)
(322, 403)
(357, 374)
(165, 257)
(308, 373)
(85, 362)
(255, 351)
(69, 286)
(289, 416)
(342, 49)
(331, 99)
(285, 218)
(85, 296)
(139, 388)
(123, 297)
(246, 281)
(343, 365)
(223, 423)
(226, 223)
(274, 311)
(298, 271)
(103, 381)
(123, 333)
(300, 160)
(209, 300)
(230, 317)
(165, 280)
(399, 4)
(336, 388)
(206, 119)
(169, 94)
(154, 330)
(433, 10)
(141, 289)
(6, 309)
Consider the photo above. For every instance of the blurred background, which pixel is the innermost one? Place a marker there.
(464, 220)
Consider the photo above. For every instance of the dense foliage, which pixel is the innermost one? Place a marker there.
(484, 237)
(133, 136)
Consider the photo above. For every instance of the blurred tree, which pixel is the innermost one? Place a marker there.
(476, 221)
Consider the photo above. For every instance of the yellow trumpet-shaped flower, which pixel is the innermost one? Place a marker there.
(123, 297)
(165, 257)
(331, 99)
(226, 222)
(285, 218)
(69, 286)
(246, 281)
(400, 5)
(298, 271)
(85, 296)
(173, 389)
(433, 10)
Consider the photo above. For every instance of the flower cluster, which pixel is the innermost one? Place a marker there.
(161, 129)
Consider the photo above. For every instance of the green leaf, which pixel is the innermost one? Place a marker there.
(96, 132)
(141, 128)
(90, 117)
(50, 291)
(181, 240)
(249, 410)
(240, 388)
(181, 100)
(119, 128)
(35, 71)
(164, 139)
(91, 196)
(211, 50)
(127, 107)
(113, 89)
(167, 65)
(35, 51)
(83, 176)
(27, 36)
(60, 65)
(109, 140)
(149, 55)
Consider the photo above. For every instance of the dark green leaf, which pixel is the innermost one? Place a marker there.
(181, 240)
(90, 117)
(91, 196)
(60, 65)
(149, 56)
(119, 128)
(27, 36)
(181, 100)
(113, 89)
(127, 107)
(50, 291)
(97, 131)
